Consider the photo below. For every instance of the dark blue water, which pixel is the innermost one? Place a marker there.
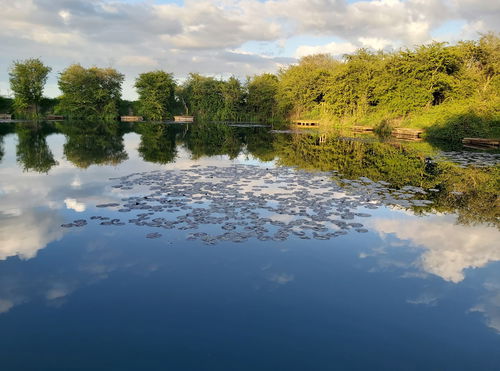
(419, 291)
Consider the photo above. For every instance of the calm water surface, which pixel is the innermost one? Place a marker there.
(260, 281)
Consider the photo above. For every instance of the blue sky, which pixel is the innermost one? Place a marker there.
(223, 38)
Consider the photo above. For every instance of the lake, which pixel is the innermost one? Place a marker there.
(209, 247)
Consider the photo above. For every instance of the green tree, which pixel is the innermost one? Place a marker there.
(5, 104)
(420, 78)
(351, 86)
(156, 95)
(203, 96)
(234, 99)
(27, 81)
(302, 87)
(210, 99)
(262, 100)
(90, 92)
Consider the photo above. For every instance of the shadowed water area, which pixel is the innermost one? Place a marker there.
(213, 247)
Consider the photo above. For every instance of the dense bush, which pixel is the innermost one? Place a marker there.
(90, 92)
(454, 88)
(156, 91)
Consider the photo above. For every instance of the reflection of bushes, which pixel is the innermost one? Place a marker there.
(470, 192)
(260, 144)
(89, 143)
(394, 163)
(383, 128)
(32, 151)
(5, 128)
(157, 142)
(204, 139)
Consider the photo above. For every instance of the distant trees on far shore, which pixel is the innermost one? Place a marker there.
(435, 85)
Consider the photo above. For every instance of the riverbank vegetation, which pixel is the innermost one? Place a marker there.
(452, 91)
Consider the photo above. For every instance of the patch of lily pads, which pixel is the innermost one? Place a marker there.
(243, 202)
(470, 158)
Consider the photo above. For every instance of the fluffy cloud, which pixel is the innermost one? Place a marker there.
(5, 305)
(489, 305)
(334, 48)
(73, 204)
(449, 248)
(409, 21)
(23, 235)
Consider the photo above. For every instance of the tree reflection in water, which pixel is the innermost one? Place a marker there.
(471, 191)
(158, 141)
(5, 129)
(32, 150)
(94, 143)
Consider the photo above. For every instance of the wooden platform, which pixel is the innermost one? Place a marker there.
(481, 142)
(406, 133)
(306, 123)
(400, 133)
(184, 118)
(246, 123)
(362, 129)
(54, 117)
(131, 118)
(5, 116)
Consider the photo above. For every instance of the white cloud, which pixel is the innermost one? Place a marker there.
(449, 248)
(137, 60)
(5, 305)
(76, 183)
(374, 42)
(489, 305)
(281, 278)
(73, 204)
(23, 235)
(424, 299)
(57, 291)
(65, 15)
(334, 48)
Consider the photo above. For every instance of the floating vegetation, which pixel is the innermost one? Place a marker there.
(242, 202)
(108, 205)
(76, 223)
(468, 158)
(153, 235)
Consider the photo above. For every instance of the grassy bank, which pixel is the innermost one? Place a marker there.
(451, 121)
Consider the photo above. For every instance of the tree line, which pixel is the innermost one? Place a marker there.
(451, 86)
(95, 93)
